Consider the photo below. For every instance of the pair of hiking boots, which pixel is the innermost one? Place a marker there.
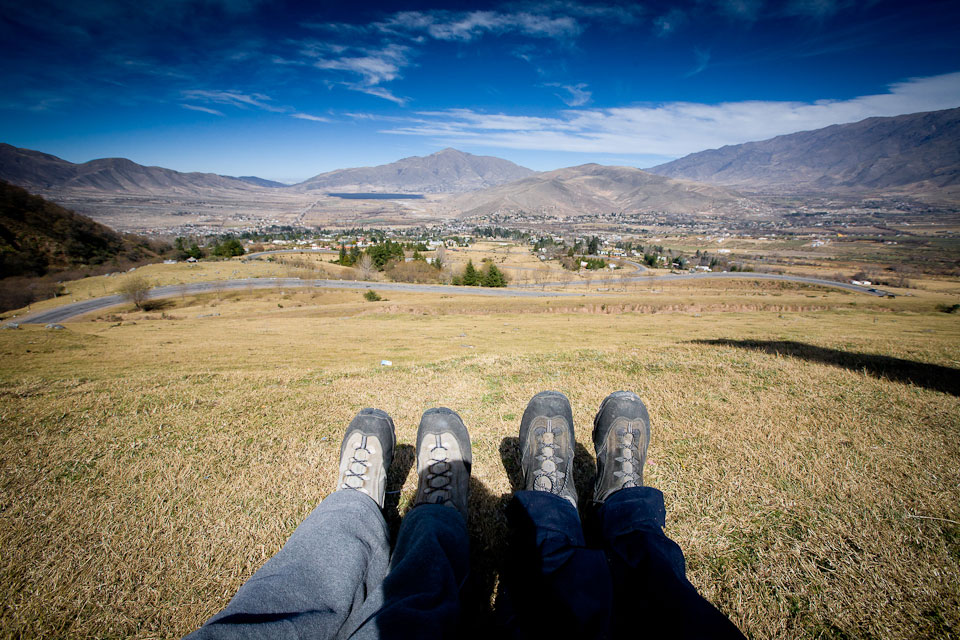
(621, 434)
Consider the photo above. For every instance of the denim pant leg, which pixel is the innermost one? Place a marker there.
(324, 581)
(652, 596)
(421, 593)
(553, 585)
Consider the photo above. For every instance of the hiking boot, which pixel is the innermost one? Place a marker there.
(443, 460)
(547, 445)
(621, 434)
(366, 453)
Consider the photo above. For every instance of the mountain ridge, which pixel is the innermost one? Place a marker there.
(446, 171)
(917, 154)
(594, 188)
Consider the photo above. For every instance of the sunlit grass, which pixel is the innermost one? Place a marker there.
(151, 461)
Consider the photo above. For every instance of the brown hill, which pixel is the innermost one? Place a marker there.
(593, 188)
(447, 171)
(40, 238)
(917, 154)
(45, 172)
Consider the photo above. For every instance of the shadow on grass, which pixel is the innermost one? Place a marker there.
(404, 456)
(929, 376)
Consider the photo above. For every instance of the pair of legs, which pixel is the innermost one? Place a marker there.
(621, 578)
(336, 578)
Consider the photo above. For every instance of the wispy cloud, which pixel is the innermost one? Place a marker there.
(234, 99)
(677, 128)
(368, 68)
(194, 107)
(576, 95)
(703, 61)
(465, 26)
(307, 116)
(748, 10)
(669, 22)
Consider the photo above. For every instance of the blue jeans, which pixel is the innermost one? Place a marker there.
(631, 583)
(335, 577)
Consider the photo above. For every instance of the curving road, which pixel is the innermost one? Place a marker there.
(75, 309)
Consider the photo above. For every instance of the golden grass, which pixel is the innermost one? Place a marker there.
(150, 467)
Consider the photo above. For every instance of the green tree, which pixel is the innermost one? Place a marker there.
(493, 277)
(593, 247)
(228, 248)
(471, 277)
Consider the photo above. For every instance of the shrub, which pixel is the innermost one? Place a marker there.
(134, 289)
(372, 296)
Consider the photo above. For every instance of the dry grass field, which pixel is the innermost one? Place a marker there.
(806, 441)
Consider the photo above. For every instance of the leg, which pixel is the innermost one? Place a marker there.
(319, 583)
(552, 584)
(649, 574)
(421, 594)
(327, 578)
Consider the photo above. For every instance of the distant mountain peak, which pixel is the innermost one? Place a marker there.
(446, 171)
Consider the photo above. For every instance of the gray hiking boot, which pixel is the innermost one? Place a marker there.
(366, 453)
(443, 460)
(547, 445)
(621, 434)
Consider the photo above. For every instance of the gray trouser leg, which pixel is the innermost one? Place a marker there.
(324, 583)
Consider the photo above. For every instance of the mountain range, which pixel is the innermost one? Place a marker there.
(916, 154)
(446, 171)
(594, 188)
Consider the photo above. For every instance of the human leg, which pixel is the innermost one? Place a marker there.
(552, 583)
(431, 560)
(651, 592)
(326, 579)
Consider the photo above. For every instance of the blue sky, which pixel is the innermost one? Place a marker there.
(285, 91)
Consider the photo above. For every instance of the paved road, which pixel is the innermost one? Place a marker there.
(261, 254)
(75, 309)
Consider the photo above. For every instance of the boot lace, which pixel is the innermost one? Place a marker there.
(356, 473)
(439, 473)
(628, 460)
(548, 476)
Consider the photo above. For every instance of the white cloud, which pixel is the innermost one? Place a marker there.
(371, 67)
(677, 128)
(194, 107)
(576, 94)
(307, 116)
(234, 99)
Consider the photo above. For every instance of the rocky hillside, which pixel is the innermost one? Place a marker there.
(916, 154)
(447, 171)
(594, 188)
(38, 237)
